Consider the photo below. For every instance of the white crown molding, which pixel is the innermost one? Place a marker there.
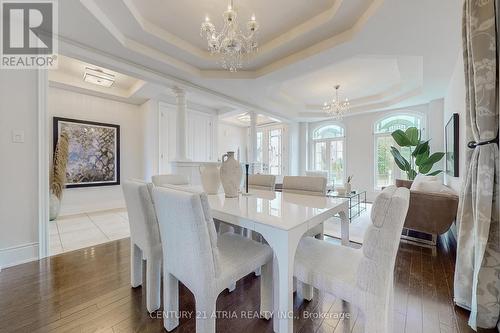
(84, 53)
(368, 108)
(171, 39)
(391, 91)
(288, 36)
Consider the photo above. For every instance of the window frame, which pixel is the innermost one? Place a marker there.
(398, 173)
(313, 141)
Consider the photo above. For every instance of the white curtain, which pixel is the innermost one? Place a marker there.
(477, 273)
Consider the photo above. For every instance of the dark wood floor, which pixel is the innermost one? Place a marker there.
(88, 291)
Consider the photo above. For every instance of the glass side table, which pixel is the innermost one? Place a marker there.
(357, 202)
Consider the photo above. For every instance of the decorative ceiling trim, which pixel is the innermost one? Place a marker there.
(368, 107)
(158, 55)
(88, 54)
(392, 90)
(294, 33)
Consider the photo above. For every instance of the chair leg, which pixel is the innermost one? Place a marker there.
(205, 313)
(321, 236)
(266, 291)
(170, 301)
(135, 265)
(307, 291)
(153, 276)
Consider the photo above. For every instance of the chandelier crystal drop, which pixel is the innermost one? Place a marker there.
(336, 108)
(231, 44)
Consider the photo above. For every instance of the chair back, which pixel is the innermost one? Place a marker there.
(381, 240)
(141, 214)
(262, 182)
(305, 185)
(315, 173)
(188, 236)
(171, 179)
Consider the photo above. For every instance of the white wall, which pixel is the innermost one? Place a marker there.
(68, 104)
(231, 138)
(18, 167)
(454, 102)
(360, 148)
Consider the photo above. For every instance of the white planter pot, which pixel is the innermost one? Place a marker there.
(210, 178)
(348, 188)
(230, 175)
(54, 207)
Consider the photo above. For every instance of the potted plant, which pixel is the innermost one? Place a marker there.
(420, 158)
(58, 176)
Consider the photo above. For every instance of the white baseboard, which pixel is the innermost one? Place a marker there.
(17, 255)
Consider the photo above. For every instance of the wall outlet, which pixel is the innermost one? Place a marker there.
(17, 136)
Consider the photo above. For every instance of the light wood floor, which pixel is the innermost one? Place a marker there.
(88, 290)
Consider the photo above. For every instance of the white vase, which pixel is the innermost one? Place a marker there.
(230, 175)
(348, 188)
(210, 178)
(54, 207)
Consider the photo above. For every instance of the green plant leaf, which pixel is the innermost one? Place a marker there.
(401, 139)
(401, 162)
(427, 165)
(421, 148)
(434, 173)
(413, 134)
(422, 158)
(411, 174)
(434, 158)
(424, 168)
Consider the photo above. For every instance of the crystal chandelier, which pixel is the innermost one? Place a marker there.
(231, 44)
(336, 108)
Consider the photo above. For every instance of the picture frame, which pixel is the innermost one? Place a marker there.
(452, 146)
(94, 152)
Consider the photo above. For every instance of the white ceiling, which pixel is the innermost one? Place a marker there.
(384, 53)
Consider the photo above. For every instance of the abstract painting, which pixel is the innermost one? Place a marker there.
(451, 146)
(94, 152)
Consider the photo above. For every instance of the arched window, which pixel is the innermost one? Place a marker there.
(386, 170)
(328, 151)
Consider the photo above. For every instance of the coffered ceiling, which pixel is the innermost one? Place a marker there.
(384, 53)
(289, 31)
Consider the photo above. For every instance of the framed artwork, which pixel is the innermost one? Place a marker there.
(451, 146)
(94, 152)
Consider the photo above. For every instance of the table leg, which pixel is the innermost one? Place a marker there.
(344, 226)
(284, 248)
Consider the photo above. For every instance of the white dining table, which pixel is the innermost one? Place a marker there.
(282, 219)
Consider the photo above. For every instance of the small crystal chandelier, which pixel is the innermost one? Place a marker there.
(231, 44)
(336, 108)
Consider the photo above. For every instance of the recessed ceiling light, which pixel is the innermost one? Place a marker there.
(98, 77)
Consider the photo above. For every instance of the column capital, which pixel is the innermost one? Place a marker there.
(179, 92)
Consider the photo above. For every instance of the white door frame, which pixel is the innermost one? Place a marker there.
(43, 164)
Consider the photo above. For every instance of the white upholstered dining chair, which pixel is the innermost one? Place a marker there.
(206, 263)
(170, 179)
(262, 182)
(309, 186)
(362, 277)
(324, 174)
(144, 240)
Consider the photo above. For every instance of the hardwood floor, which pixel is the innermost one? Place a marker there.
(89, 290)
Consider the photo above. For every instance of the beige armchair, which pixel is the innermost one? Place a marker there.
(430, 213)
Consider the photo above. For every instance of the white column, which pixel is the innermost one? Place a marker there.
(303, 145)
(253, 137)
(181, 146)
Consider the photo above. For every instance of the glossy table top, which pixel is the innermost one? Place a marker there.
(280, 210)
